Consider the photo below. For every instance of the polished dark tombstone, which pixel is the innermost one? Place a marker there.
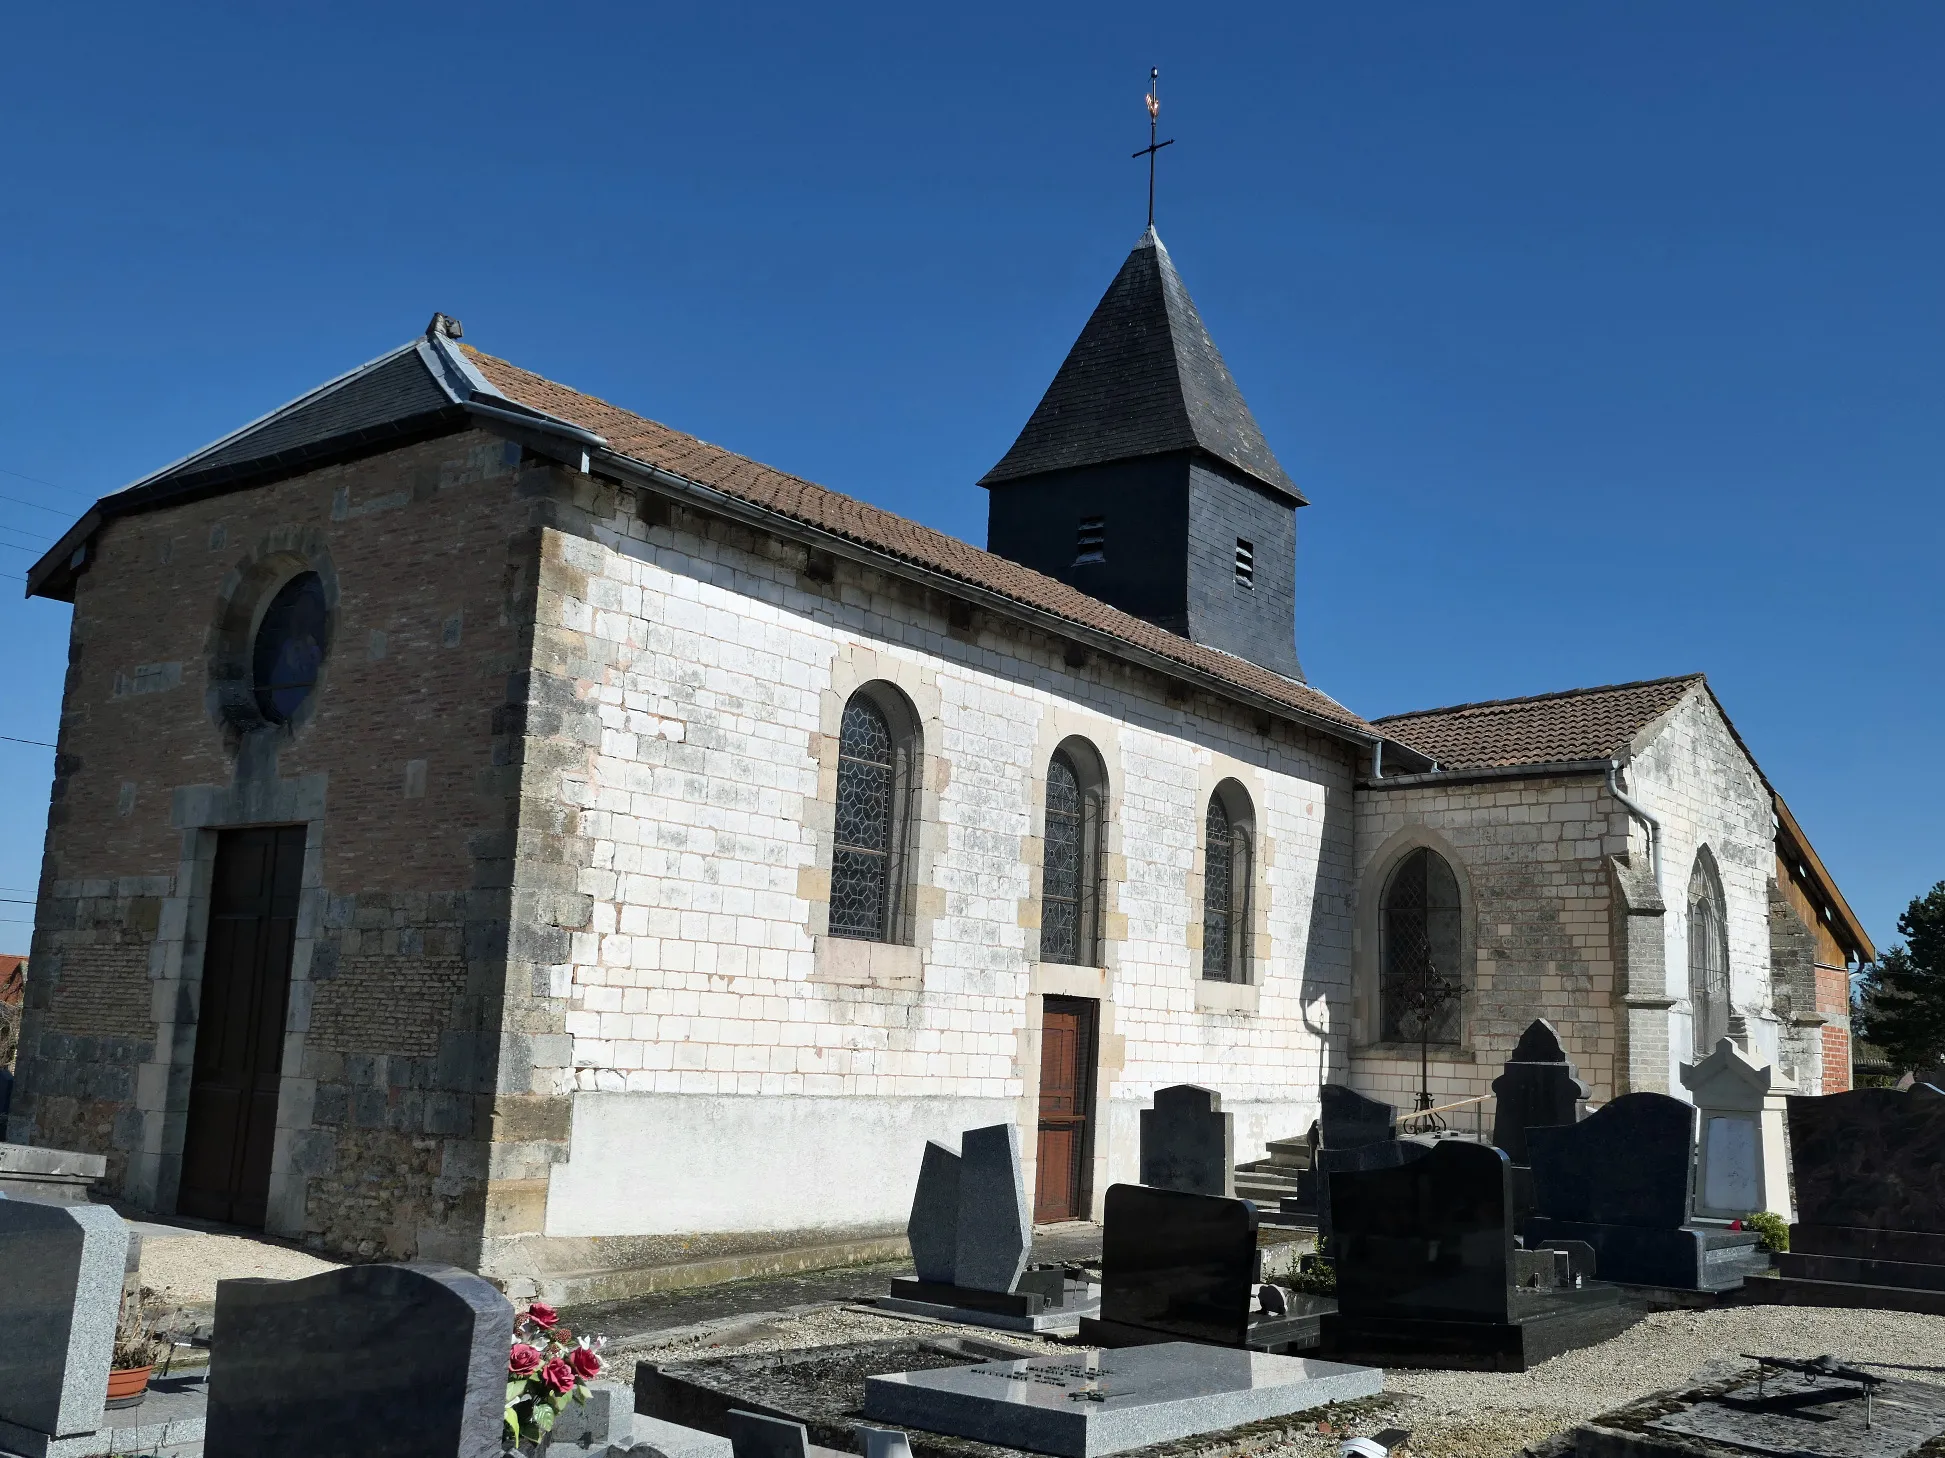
(1349, 1119)
(409, 1360)
(1427, 1274)
(1869, 1168)
(1538, 1088)
(1188, 1142)
(1355, 1133)
(1182, 1267)
(1620, 1181)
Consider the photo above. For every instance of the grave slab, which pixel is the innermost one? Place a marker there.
(1784, 1415)
(1092, 1403)
(63, 1266)
(411, 1358)
(1188, 1143)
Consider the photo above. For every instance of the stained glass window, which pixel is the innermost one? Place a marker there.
(1225, 896)
(1061, 933)
(290, 647)
(861, 867)
(1420, 980)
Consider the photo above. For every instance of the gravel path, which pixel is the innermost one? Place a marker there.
(186, 1265)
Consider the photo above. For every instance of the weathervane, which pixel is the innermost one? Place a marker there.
(1154, 100)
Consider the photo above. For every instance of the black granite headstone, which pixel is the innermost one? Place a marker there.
(1187, 1142)
(1184, 1266)
(1350, 1119)
(391, 1361)
(1620, 1181)
(1869, 1169)
(1427, 1275)
(1538, 1088)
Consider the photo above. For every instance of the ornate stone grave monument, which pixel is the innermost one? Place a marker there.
(1427, 1275)
(970, 1232)
(1538, 1088)
(1181, 1267)
(1743, 1158)
(1619, 1181)
(1870, 1202)
(1089, 1403)
(391, 1361)
(61, 1269)
(1188, 1144)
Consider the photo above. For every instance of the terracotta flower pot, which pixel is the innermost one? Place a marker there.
(126, 1385)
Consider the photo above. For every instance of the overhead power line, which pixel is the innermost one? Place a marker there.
(39, 481)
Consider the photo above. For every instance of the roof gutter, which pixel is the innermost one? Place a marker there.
(1654, 825)
(721, 504)
(1466, 775)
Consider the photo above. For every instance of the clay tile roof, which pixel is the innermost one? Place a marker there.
(13, 979)
(790, 496)
(1576, 724)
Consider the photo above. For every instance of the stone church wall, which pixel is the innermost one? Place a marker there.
(735, 1068)
(1530, 857)
(1693, 775)
(403, 773)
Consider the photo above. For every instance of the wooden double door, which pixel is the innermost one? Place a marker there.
(232, 1123)
(1065, 1146)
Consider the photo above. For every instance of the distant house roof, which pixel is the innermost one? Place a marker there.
(1143, 379)
(13, 979)
(434, 386)
(1564, 727)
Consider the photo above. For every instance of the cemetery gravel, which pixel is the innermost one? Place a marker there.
(1460, 1414)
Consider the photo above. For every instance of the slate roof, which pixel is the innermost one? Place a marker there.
(653, 444)
(1573, 725)
(1143, 379)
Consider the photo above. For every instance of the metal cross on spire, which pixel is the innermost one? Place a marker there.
(1154, 100)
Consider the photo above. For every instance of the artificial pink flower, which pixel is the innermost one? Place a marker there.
(542, 1315)
(523, 1360)
(586, 1365)
(558, 1376)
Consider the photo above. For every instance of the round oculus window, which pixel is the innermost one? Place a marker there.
(289, 648)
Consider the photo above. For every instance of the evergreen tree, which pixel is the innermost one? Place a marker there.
(1903, 1004)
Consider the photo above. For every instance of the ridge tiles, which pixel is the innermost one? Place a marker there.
(1555, 728)
(656, 445)
(1143, 379)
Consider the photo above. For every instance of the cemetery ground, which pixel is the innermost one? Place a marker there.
(1449, 1414)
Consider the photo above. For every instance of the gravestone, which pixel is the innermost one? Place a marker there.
(759, 1435)
(1427, 1274)
(61, 1268)
(1538, 1088)
(1743, 1159)
(411, 1359)
(1188, 1143)
(1870, 1202)
(1086, 1404)
(933, 1229)
(1619, 1181)
(970, 1233)
(1355, 1133)
(58, 1176)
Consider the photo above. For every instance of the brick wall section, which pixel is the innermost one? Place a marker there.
(390, 1066)
(1532, 859)
(1833, 1000)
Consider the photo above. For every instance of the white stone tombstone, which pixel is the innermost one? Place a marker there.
(1742, 1154)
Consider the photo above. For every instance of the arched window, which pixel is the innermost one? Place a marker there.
(877, 759)
(1419, 936)
(1070, 876)
(1708, 959)
(1228, 866)
(289, 647)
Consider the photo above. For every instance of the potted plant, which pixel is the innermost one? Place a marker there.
(547, 1368)
(137, 1349)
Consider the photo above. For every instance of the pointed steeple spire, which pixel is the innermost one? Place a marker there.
(1143, 379)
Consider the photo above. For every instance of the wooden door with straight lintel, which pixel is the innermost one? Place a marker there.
(1066, 1107)
(232, 1120)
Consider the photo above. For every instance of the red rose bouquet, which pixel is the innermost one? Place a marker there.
(547, 1368)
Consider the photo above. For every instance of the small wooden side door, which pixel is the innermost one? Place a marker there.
(1066, 1099)
(232, 1121)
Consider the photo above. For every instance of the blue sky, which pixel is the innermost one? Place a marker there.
(1604, 339)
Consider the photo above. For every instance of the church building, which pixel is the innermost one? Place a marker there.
(490, 826)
